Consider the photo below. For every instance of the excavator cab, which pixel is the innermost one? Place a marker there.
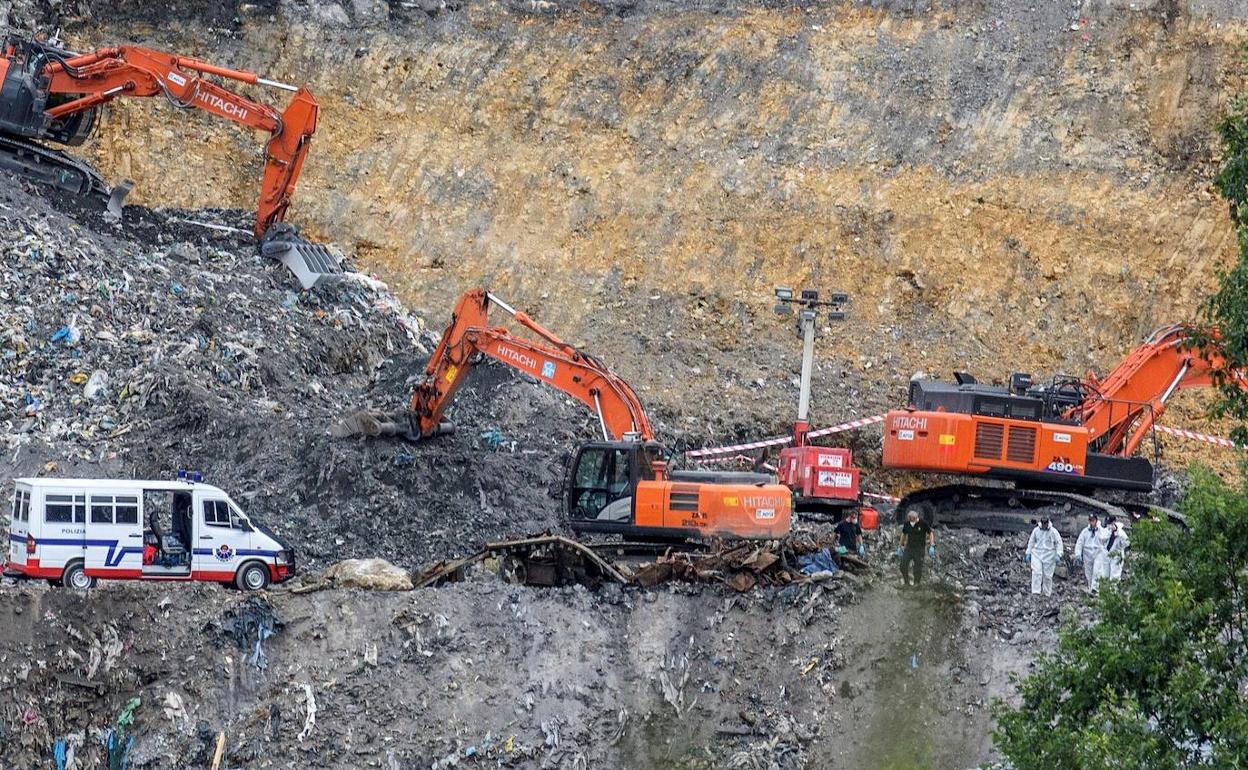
(603, 480)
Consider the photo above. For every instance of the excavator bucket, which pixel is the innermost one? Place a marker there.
(117, 199)
(371, 423)
(311, 263)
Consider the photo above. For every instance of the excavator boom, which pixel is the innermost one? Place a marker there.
(1120, 410)
(51, 94)
(550, 360)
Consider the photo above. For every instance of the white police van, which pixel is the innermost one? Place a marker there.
(75, 531)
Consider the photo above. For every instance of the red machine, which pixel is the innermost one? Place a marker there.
(620, 485)
(1056, 449)
(823, 479)
(47, 93)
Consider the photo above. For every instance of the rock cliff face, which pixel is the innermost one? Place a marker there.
(999, 185)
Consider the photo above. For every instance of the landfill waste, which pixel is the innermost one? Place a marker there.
(552, 560)
(248, 626)
(160, 346)
(116, 738)
(372, 574)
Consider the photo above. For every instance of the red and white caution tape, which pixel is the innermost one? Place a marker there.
(778, 440)
(878, 418)
(889, 498)
(741, 459)
(851, 425)
(720, 450)
(1193, 435)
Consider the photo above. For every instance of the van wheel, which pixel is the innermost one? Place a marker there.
(252, 577)
(76, 577)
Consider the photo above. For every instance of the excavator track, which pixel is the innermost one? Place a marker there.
(1013, 509)
(50, 167)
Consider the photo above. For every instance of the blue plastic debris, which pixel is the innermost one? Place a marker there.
(61, 334)
(819, 561)
(494, 438)
(404, 459)
(58, 753)
(176, 288)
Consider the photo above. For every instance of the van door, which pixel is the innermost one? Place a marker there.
(19, 526)
(217, 544)
(114, 534)
(62, 530)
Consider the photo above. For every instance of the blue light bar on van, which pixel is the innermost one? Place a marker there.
(191, 476)
(197, 477)
(181, 474)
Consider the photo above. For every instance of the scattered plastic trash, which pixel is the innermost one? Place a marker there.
(69, 335)
(494, 439)
(309, 721)
(117, 741)
(249, 625)
(175, 709)
(97, 385)
(59, 753)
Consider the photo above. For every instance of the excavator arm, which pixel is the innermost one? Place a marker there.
(549, 359)
(54, 93)
(1120, 410)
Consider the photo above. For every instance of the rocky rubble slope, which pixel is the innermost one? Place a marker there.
(141, 348)
(845, 674)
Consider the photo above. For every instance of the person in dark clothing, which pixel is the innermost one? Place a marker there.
(849, 535)
(916, 535)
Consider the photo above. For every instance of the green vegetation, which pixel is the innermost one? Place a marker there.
(1159, 681)
(1227, 308)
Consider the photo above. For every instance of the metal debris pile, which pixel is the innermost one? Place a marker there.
(552, 560)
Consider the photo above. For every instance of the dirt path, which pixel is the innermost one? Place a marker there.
(921, 676)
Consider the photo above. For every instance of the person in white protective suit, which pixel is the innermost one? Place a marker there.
(1116, 549)
(1088, 549)
(1044, 548)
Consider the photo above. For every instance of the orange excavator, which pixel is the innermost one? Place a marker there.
(620, 485)
(1062, 449)
(54, 95)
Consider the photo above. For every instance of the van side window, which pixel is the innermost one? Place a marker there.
(21, 505)
(216, 513)
(101, 509)
(127, 510)
(119, 509)
(65, 509)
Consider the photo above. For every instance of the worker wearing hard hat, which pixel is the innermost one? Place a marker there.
(1044, 548)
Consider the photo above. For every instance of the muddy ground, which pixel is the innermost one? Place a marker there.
(847, 674)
